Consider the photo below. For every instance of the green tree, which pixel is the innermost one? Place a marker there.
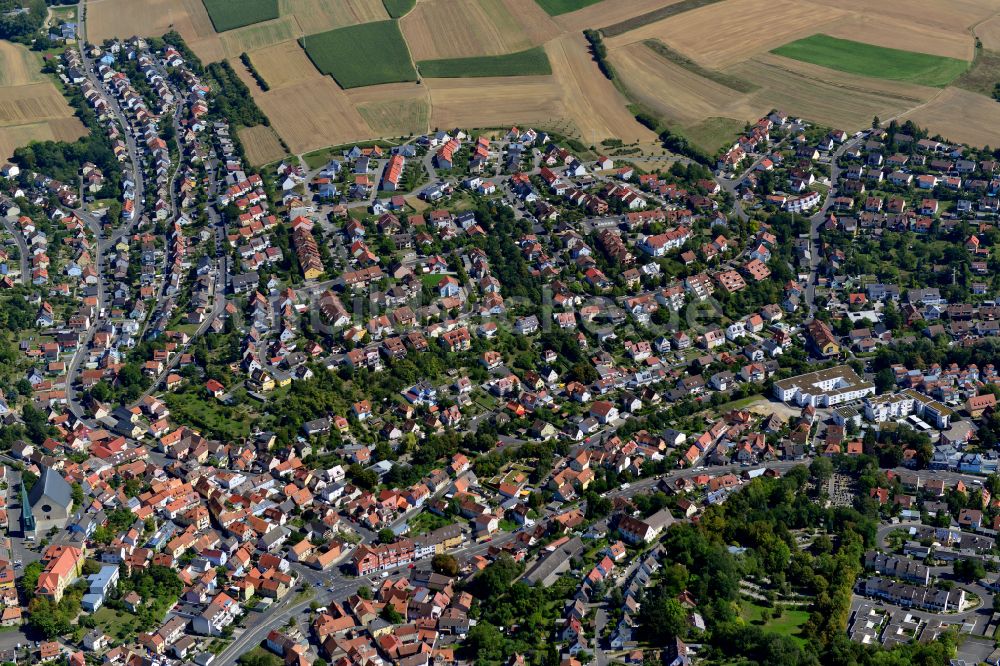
(445, 564)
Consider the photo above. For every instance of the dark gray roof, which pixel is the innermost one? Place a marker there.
(53, 486)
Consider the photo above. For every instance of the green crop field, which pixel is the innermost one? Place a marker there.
(230, 14)
(523, 63)
(556, 7)
(876, 61)
(397, 8)
(362, 55)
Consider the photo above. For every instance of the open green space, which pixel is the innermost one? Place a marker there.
(427, 522)
(397, 8)
(523, 63)
(556, 7)
(788, 624)
(230, 14)
(879, 62)
(984, 75)
(362, 55)
(216, 419)
(714, 133)
(116, 624)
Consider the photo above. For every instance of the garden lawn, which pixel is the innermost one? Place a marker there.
(523, 63)
(362, 55)
(230, 14)
(876, 61)
(209, 415)
(789, 624)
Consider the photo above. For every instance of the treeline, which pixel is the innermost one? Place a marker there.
(175, 40)
(675, 143)
(232, 99)
(19, 20)
(245, 59)
(506, 258)
(600, 52)
(63, 160)
(762, 518)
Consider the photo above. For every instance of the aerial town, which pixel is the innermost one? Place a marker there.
(489, 396)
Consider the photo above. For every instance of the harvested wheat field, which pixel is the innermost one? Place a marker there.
(955, 15)
(592, 101)
(32, 103)
(61, 129)
(315, 16)
(676, 93)
(312, 114)
(904, 35)
(262, 144)
(152, 18)
(282, 64)
(460, 28)
(608, 12)
(495, 102)
(18, 65)
(534, 21)
(723, 34)
(259, 35)
(989, 33)
(960, 115)
(393, 109)
(399, 117)
(833, 98)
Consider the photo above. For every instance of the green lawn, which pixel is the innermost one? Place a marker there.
(230, 14)
(210, 416)
(523, 63)
(427, 522)
(431, 279)
(556, 7)
(397, 8)
(115, 623)
(789, 624)
(362, 55)
(876, 61)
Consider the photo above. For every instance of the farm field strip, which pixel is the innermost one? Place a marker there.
(598, 109)
(961, 116)
(261, 144)
(438, 29)
(523, 63)
(607, 12)
(231, 14)
(719, 35)
(362, 55)
(875, 61)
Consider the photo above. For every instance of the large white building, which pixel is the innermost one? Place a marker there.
(824, 388)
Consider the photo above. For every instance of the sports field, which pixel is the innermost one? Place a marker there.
(523, 63)
(230, 14)
(876, 61)
(362, 55)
